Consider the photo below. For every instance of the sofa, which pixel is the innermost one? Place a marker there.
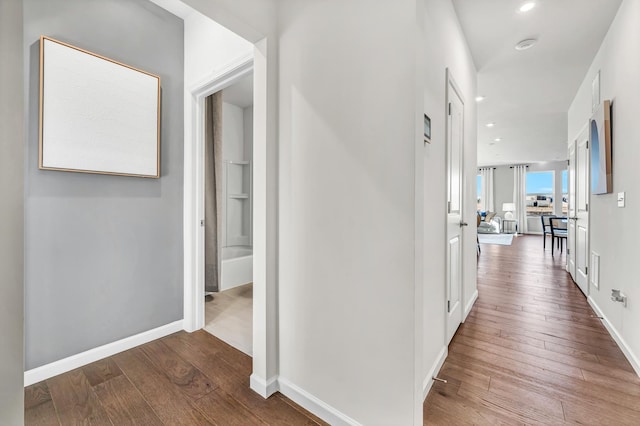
(490, 223)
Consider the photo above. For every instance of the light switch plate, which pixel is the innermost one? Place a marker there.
(620, 199)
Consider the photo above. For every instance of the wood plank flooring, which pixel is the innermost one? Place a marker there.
(531, 350)
(182, 379)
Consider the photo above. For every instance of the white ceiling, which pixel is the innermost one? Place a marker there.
(240, 93)
(529, 92)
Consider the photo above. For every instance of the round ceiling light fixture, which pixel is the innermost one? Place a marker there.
(480, 98)
(527, 6)
(497, 139)
(527, 43)
(491, 124)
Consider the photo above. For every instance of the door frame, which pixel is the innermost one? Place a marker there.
(264, 337)
(450, 83)
(194, 191)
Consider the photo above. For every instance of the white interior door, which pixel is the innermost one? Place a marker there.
(455, 176)
(571, 225)
(582, 212)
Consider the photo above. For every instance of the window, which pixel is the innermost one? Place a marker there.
(565, 192)
(479, 192)
(539, 193)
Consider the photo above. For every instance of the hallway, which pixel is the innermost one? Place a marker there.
(531, 350)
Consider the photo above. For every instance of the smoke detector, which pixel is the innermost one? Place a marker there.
(525, 44)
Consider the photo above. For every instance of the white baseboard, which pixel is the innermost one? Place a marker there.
(44, 372)
(469, 306)
(428, 380)
(264, 388)
(314, 405)
(626, 350)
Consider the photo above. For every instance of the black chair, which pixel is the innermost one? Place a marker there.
(559, 232)
(546, 230)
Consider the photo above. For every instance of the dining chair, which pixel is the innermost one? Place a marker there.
(559, 232)
(546, 230)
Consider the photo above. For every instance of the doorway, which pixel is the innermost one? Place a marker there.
(229, 281)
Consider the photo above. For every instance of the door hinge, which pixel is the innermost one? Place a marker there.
(448, 305)
(448, 206)
(449, 108)
(586, 270)
(586, 207)
(202, 222)
(568, 251)
(568, 162)
(587, 144)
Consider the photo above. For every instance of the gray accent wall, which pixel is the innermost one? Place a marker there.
(11, 214)
(104, 254)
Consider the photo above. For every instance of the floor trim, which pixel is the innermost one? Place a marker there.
(314, 405)
(435, 369)
(47, 371)
(264, 388)
(626, 350)
(469, 306)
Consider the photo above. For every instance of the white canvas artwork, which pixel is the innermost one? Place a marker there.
(97, 115)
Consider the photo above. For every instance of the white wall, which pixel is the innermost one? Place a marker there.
(614, 230)
(445, 47)
(347, 172)
(11, 214)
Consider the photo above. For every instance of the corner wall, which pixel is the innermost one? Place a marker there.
(104, 254)
(446, 47)
(11, 214)
(613, 230)
(347, 206)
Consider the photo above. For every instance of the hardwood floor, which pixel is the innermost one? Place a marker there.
(531, 350)
(182, 379)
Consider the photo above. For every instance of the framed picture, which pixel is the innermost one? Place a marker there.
(97, 115)
(600, 147)
(427, 129)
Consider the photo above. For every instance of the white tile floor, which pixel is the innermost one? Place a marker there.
(229, 317)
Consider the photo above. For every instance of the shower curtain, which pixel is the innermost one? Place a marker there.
(212, 191)
(520, 197)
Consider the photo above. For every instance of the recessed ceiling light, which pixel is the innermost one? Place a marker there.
(479, 98)
(497, 139)
(526, 44)
(527, 6)
(491, 124)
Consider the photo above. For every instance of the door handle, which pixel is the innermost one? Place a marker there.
(463, 224)
(574, 218)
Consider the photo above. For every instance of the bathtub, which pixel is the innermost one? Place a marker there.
(237, 267)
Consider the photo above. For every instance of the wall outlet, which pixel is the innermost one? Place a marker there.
(620, 199)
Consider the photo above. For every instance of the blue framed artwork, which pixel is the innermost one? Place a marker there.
(600, 144)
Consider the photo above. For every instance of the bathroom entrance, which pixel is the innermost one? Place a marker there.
(228, 213)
